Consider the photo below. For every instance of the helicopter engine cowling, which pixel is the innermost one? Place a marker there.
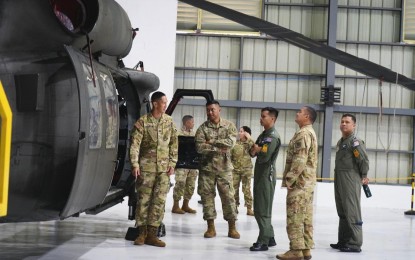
(51, 24)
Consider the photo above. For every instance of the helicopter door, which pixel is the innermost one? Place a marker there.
(98, 135)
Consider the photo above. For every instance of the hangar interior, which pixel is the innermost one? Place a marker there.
(247, 71)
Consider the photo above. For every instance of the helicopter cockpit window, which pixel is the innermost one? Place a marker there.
(70, 13)
(112, 111)
(95, 114)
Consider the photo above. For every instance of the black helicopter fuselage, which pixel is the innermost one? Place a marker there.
(73, 103)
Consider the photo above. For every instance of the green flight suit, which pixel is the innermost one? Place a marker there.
(352, 164)
(264, 182)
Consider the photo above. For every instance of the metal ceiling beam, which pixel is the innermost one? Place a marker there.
(350, 61)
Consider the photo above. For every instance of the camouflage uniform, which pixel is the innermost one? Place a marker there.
(352, 165)
(185, 178)
(241, 160)
(264, 182)
(153, 149)
(216, 167)
(300, 174)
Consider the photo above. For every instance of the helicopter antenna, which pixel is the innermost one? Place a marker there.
(88, 44)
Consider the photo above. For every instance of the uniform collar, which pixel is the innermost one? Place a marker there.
(307, 126)
(221, 123)
(152, 118)
(185, 130)
(348, 137)
(270, 130)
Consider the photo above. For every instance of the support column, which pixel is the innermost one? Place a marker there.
(330, 80)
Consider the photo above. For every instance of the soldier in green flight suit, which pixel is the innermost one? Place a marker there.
(350, 172)
(266, 150)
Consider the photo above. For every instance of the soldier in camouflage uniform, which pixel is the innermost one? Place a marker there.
(300, 178)
(242, 164)
(185, 178)
(214, 141)
(350, 172)
(266, 150)
(153, 155)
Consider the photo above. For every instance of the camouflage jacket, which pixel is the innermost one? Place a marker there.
(241, 159)
(183, 132)
(351, 155)
(216, 155)
(301, 162)
(154, 144)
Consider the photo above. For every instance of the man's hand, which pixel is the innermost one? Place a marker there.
(135, 172)
(288, 186)
(255, 149)
(170, 171)
(365, 181)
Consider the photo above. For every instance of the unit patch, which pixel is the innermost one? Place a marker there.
(356, 153)
(264, 148)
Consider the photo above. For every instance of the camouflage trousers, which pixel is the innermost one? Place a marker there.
(300, 219)
(208, 181)
(245, 177)
(185, 183)
(152, 189)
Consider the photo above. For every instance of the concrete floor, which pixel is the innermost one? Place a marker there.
(388, 233)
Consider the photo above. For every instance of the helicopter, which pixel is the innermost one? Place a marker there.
(73, 102)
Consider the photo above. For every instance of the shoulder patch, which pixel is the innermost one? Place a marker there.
(356, 153)
(264, 148)
(356, 143)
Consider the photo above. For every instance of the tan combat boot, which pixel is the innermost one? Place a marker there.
(186, 207)
(142, 234)
(210, 232)
(232, 230)
(250, 212)
(152, 238)
(176, 208)
(307, 254)
(291, 255)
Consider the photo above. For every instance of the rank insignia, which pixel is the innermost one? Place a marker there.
(356, 153)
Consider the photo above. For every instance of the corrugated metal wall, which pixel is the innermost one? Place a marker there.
(260, 69)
